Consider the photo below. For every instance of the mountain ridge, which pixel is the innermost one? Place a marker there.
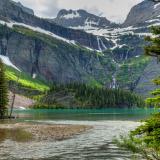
(15, 13)
(74, 18)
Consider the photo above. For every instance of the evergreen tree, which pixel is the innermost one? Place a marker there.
(3, 92)
(94, 97)
(153, 49)
(146, 138)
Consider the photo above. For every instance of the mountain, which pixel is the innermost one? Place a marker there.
(80, 19)
(49, 51)
(49, 58)
(65, 50)
(147, 12)
(125, 39)
(15, 13)
(128, 40)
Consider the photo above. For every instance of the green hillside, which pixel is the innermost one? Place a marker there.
(25, 80)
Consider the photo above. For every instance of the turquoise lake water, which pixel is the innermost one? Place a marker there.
(83, 114)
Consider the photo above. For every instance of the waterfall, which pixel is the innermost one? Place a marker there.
(103, 45)
(34, 75)
(99, 46)
(114, 82)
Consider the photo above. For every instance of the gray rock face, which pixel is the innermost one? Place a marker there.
(80, 18)
(145, 84)
(25, 9)
(55, 62)
(145, 11)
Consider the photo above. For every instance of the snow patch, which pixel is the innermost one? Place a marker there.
(34, 75)
(37, 29)
(144, 34)
(153, 20)
(85, 28)
(22, 108)
(116, 45)
(88, 25)
(155, 24)
(113, 32)
(7, 61)
(156, 5)
(90, 22)
(72, 15)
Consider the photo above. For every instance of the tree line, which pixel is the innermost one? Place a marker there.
(3, 92)
(101, 97)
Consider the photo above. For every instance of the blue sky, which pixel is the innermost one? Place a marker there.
(114, 10)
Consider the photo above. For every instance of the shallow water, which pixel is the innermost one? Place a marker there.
(95, 144)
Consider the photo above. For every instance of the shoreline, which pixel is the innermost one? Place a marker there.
(25, 132)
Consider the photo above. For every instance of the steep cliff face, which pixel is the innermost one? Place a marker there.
(145, 84)
(52, 59)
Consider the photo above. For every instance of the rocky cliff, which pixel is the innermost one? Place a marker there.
(52, 59)
(145, 84)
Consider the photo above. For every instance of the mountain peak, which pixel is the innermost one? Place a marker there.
(141, 13)
(25, 9)
(68, 14)
(79, 19)
(80, 12)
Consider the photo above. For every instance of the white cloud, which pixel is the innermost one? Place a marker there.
(114, 10)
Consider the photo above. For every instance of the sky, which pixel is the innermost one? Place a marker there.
(114, 10)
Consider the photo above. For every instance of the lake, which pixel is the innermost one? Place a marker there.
(95, 144)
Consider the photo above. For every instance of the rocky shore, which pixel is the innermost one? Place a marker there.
(40, 132)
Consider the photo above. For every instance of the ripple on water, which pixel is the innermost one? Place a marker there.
(95, 144)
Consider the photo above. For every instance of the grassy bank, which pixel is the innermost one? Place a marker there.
(25, 80)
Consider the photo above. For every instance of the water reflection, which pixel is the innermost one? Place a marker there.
(82, 114)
